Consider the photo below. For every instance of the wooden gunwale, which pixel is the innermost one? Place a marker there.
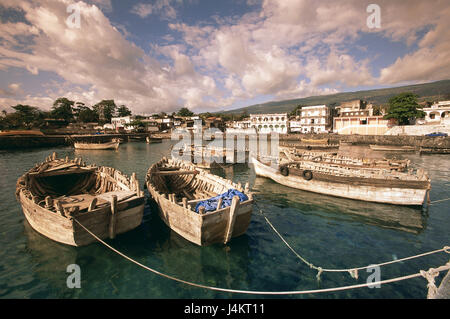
(361, 181)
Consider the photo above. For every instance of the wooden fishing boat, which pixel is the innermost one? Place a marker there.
(392, 148)
(291, 155)
(57, 191)
(378, 185)
(113, 145)
(322, 147)
(151, 139)
(182, 192)
(434, 150)
(205, 156)
(314, 141)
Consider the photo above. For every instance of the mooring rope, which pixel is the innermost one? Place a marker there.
(429, 275)
(439, 200)
(353, 271)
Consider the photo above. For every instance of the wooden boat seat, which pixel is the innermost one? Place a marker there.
(82, 201)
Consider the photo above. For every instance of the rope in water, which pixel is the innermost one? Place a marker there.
(428, 275)
(439, 200)
(353, 271)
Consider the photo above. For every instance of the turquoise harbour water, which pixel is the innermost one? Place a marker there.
(329, 232)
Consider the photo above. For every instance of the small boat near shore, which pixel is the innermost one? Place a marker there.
(113, 145)
(392, 148)
(54, 193)
(433, 150)
(201, 207)
(376, 185)
(206, 156)
(151, 139)
(315, 141)
(310, 147)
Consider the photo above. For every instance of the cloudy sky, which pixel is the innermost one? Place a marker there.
(210, 55)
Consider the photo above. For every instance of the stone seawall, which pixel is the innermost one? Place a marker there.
(23, 142)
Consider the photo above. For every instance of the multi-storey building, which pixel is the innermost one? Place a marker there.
(438, 113)
(268, 123)
(315, 119)
(356, 117)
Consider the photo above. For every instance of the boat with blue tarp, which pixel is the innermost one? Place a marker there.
(202, 207)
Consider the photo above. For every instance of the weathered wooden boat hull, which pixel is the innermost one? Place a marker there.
(58, 195)
(424, 150)
(315, 141)
(67, 231)
(206, 229)
(97, 146)
(379, 194)
(203, 228)
(151, 140)
(388, 148)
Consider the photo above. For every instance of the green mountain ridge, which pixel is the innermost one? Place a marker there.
(426, 92)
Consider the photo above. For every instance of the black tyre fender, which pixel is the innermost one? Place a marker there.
(307, 175)
(284, 170)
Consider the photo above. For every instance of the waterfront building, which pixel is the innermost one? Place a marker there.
(295, 126)
(268, 123)
(315, 119)
(215, 122)
(240, 127)
(438, 113)
(122, 123)
(356, 117)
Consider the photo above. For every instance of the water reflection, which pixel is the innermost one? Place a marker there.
(401, 218)
(50, 259)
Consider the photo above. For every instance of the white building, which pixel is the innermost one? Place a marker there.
(268, 123)
(438, 113)
(121, 122)
(315, 119)
(295, 126)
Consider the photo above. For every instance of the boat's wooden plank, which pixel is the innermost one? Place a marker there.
(232, 218)
(168, 173)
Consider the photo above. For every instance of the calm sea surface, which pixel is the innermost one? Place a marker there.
(329, 232)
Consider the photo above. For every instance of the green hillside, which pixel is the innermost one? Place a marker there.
(426, 92)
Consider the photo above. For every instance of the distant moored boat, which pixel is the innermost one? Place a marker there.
(113, 145)
(392, 148)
